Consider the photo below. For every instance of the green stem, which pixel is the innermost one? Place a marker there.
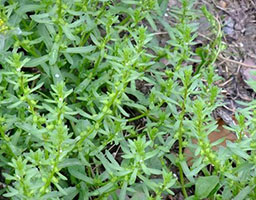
(84, 38)
(125, 21)
(180, 133)
(137, 117)
(183, 188)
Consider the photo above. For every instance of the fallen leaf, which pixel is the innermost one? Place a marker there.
(172, 3)
(249, 73)
(176, 197)
(223, 4)
(213, 137)
(164, 61)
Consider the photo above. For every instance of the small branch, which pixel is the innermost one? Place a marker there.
(236, 62)
(227, 59)
(160, 33)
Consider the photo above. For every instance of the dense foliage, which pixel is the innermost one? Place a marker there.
(89, 111)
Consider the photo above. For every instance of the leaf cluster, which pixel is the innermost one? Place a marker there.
(74, 122)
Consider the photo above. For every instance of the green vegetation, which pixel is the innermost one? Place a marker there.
(74, 123)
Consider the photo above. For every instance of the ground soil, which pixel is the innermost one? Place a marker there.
(238, 19)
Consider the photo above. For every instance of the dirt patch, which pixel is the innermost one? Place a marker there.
(238, 21)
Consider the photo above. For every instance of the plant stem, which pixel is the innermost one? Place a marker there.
(180, 132)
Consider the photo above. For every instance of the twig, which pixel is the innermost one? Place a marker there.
(204, 36)
(236, 62)
(226, 82)
(160, 33)
(227, 59)
(220, 56)
(216, 5)
(252, 2)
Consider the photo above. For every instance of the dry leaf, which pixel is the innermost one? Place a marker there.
(176, 197)
(249, 73)
(172, 3)
(223, 4)
(164, 61)
(213, 137)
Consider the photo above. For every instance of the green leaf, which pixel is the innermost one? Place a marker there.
(243, 193)
(56, 74)
(60, 189)
(71, 193)
(29, 8)
(234, 147)
(84, 193)
(15, 104)
(123, 111)
(112, 159)
(148, 182)
(52, 195)
(37, 61)
(13, 192)
(79, 173)
(186, 171)
(130, 2)
(84, 114)
(81, 50)
(46, 68)
(70, 162)
(33, 78)
(68, 32)
(155, 171)
(139, 195)
(133, 176)
(104, 162)
(151, 22)
(43, 32)
(104, 189)
(54, 54)
(123, 191)
(193, 197)
(42, 18)
(9, 177)
(205, 185)
(69, 58)
(82, 86)
(37, 87)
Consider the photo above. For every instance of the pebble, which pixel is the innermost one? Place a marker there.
(223, 4)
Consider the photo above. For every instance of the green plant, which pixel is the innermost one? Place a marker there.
(75, 125)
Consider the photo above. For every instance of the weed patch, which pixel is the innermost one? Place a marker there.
(88, 110)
